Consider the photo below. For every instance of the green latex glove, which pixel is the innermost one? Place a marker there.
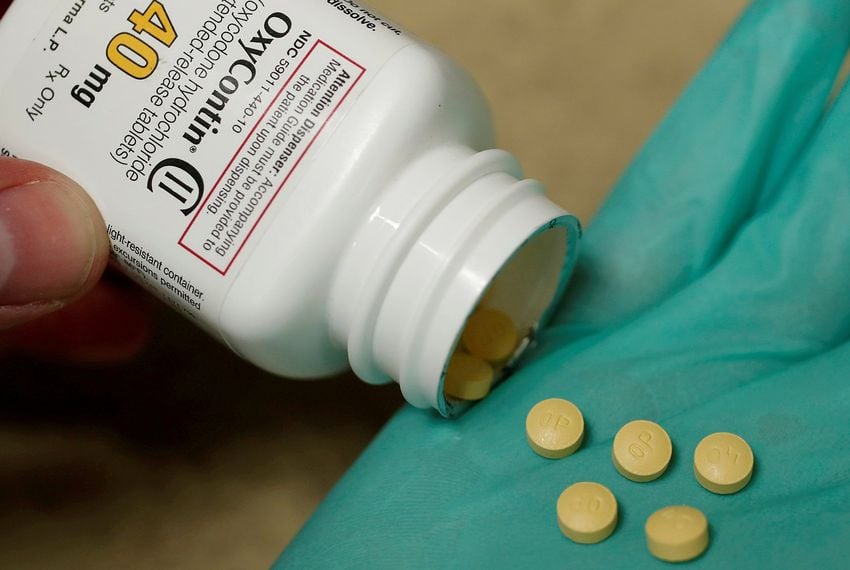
(713, 294)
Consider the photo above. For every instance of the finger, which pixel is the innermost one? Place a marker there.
(726, 143)
(53, 245)
(109, 324)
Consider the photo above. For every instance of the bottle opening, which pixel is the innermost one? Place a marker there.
(506, 319)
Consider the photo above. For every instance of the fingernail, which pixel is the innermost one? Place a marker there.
(48, 243)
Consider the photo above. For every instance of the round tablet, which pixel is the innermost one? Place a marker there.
(677, 534)
(587, 512)
(468, 378)
(642, 451)
(490, 334)
(554, 428)
(723, 463)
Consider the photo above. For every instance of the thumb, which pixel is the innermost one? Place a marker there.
(53, 245)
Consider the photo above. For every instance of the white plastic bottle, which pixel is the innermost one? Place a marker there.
(303, 179)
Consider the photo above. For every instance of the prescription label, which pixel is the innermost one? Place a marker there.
(189, 123)
(269, 155)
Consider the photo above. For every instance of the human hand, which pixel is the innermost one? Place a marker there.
(53, 252)
(711, 295)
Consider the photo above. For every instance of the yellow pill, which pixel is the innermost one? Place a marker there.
(587, 512)
(723, 463)
(555, 428)
(468, 378)
(491, 335)
(642, 451)
(677, 534)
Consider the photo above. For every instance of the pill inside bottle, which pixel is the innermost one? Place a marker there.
(488, 341)
(490, 335)
(468, 378)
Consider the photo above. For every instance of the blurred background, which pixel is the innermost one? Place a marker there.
(189, 458)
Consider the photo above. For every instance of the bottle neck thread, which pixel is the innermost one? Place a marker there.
(431, 247)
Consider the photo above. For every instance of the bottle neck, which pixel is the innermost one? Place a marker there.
(428, 251)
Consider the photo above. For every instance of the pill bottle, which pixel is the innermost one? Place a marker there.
(310, 184)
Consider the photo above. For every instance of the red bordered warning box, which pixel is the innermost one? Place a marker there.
(276, 145)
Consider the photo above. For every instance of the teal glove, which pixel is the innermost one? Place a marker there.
(712, 295)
